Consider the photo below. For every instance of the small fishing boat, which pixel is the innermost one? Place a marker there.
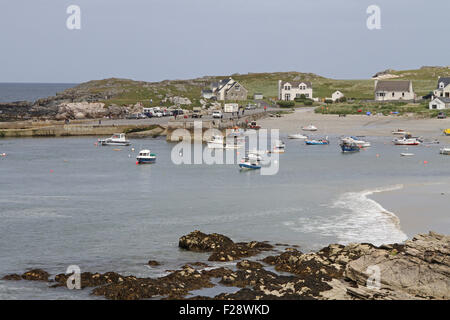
(313, 142)
(145, 156)
(297, 136)
(445, 151)
(347, 146)
(278, 147)
(309, 128)
(406, 154)
(117, 139)
(218, 142)
(250, 162)
(360, 143)
(399, 132)
(406, 142)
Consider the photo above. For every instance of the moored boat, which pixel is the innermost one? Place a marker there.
(309, 128)
(349, 146)
(218, 142)
(278, 146)
(447, 132)
(360, 143)
(117, 139)
(406, 142)
(445, 151)
(145, 156)
(250, 162)
(297, 136)
(313, 142)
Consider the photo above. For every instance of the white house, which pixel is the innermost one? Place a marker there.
(337, 95)
(289, 90)
(394, 90)
(443, 88)
(439, 103)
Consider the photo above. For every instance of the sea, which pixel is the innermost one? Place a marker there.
(67, 201)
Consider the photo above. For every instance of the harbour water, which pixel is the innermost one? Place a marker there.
(65, 201)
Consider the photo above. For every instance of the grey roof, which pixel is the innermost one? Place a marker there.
(395, 85)
(444, 99)
(297, 83)
(445, 80)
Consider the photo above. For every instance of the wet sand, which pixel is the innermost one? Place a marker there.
(420, 207)
(360, 125)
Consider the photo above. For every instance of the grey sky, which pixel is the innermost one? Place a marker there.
(155, 40)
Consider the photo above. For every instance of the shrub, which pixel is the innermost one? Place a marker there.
(286, 104)
(328, 101)
(308, 102)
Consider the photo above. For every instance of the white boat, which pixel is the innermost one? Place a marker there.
(406, 142)
(218, 142)
(400, 132)
(117, 139)
(145, 156)
(250, 162)
(297, 136)
(445, 151)
(278, 147)
(360, 143)
(309, 128)
(406, 154)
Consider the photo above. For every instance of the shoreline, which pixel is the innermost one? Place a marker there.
(418, 207)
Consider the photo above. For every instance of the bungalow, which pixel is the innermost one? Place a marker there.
(226, 89)
(394, 90)
(439, 103)
(289, 90)
(337, 95)
(443, 88)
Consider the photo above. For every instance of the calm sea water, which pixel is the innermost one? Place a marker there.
(65, 201)
(10, 92)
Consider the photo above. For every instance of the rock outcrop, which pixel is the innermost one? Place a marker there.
(417, 269)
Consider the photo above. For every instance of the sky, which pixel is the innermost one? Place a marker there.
(155, 40)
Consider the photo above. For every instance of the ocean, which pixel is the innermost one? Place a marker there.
(10, 92)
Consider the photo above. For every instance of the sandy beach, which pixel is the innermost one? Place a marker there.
(357, 124)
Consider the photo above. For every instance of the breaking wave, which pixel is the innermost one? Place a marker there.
(360, 219)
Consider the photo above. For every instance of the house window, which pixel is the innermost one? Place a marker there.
(403, 94)
(287, 88)
(238, 87)
(307, 95)
(287, 97)
(393, 94)
(441, 85)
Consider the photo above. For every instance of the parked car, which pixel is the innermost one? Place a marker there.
(250, 107)
(441, 115)
(217, 114)
(158, 114)
(177, 112)
(197, 112)
(133, 116)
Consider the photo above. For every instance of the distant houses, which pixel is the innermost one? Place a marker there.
(337, 95)
(289, 90)
(226, 89)
(439, 103)
(394, 90)
(443, 88)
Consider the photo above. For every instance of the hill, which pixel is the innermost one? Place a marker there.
(125, 91)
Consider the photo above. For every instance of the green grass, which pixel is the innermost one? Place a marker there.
(128, 92)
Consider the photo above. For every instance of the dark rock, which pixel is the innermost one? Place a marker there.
(13, 276)
(36, 275)
(92, 279)
(153, 263)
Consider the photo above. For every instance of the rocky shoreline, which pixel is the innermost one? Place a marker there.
(417, 269)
